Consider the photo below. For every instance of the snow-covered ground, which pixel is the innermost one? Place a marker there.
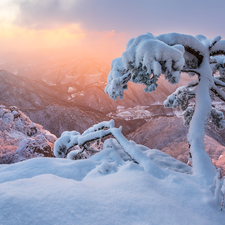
(99, 191)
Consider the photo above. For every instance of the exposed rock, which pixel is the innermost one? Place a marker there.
(22, 139)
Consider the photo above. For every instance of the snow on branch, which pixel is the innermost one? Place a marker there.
(209, 43)
(180, 98)
(219, 65)
(219, 93)
(193, 83)
(218, 48)
(217, 119)
(191, 44)
(98, 131)
(100, 126)
(145, 59)
(213, 41)
(117, 79)
(148, 56)
(70, 139)
(218, 82)
(190, 72)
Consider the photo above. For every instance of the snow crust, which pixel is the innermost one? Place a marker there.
(60, 191)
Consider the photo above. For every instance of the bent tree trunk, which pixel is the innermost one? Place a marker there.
(202, 164)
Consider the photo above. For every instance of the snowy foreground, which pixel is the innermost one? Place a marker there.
(104, 189)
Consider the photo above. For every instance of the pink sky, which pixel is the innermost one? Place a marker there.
(102, 27)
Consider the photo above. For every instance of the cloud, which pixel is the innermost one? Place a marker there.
(8, 12)
(133, 17)
(123, 15)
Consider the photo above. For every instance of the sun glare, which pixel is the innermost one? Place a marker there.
(8, 12)
(33, 39)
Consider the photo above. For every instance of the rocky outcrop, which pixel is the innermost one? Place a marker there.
(20, 138)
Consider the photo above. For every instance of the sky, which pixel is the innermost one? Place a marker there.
(102, 27)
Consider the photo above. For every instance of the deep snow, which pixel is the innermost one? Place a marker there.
(62, 191)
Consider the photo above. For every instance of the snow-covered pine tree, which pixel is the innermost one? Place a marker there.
(147, 57)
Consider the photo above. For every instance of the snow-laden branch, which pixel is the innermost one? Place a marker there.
(219, 65)
(219, 93)
(209, 43)
(99, 126)
(117, 79)
(98, 131)
(191, 72)
(213, 41)
(218, 82)
(193, 83)
(218, 48)
(180, 98)
(70, 139)
(138, 156)
(147, 55)
(191, 44)
(145, 59)
(217, 119)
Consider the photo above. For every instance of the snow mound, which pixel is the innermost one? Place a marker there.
(62, 191)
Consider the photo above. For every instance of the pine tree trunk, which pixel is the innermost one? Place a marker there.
(202, 164)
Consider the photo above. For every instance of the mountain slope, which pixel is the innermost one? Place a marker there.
(43, 104)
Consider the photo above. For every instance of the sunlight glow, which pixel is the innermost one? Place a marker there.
(8, 12)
